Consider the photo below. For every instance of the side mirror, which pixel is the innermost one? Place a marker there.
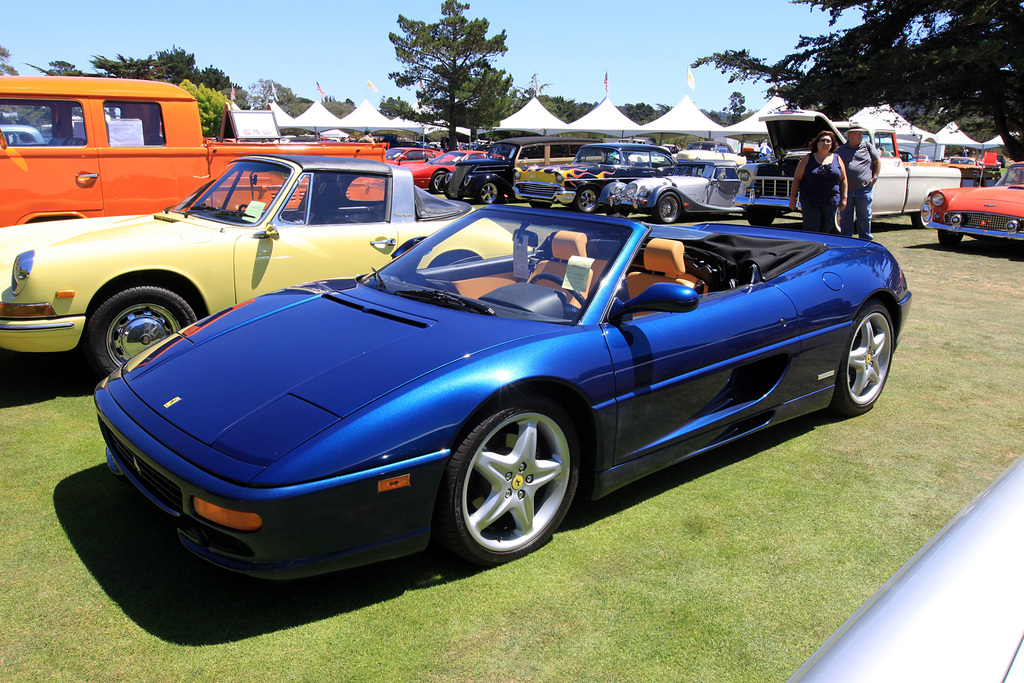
(663, 297)
(269, 231)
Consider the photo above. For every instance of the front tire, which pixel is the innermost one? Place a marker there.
(488, 193)
(586, 199)
(509, 483)
(948, 238)
(129, 322)
(668, 208)
(865, 364)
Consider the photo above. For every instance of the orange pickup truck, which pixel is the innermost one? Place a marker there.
(74, 147)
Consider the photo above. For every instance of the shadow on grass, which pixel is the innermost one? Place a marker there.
(1006, 249)
(36, 377)
(131, 548)
(585, 512)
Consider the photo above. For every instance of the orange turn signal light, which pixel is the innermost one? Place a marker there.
(66, 294)
(393, 483)
(232, 519)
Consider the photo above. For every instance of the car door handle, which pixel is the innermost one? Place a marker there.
(87, 176)
(384, 242)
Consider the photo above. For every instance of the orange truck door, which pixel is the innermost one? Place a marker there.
(48, 161)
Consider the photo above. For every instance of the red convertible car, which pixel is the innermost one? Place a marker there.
(978, 211)
(431, 174)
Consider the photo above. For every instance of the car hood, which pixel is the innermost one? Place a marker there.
(792, 131)
(255, 382)
(19, 238)
(1009, 200)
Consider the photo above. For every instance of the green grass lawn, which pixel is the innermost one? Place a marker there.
(732, 566)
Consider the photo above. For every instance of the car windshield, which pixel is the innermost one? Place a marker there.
(241, 195)
(1013, 176)
(693, 170)
(501, 151)
(508, 263)
(447, 158)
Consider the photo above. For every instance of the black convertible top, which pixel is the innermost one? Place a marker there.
(773, 257)
(432, 207)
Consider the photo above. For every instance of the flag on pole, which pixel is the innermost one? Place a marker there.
(320, 90)
(536, 85)
(605, 82)
(370, 85)
(273, 91)
(689, 80)
(232, 93)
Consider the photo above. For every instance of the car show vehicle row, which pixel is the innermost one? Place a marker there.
(580, 182)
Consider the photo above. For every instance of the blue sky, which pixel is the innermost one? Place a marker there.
(643, 46)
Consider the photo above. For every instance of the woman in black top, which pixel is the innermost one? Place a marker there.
(820, 180)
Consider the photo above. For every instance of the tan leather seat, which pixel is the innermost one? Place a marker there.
(564, 245)
(664, 260)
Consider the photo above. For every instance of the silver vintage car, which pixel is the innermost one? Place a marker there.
(691, 187)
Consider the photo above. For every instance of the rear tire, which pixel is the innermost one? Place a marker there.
(865, 364)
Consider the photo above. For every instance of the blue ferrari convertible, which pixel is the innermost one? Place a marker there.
(466, 391)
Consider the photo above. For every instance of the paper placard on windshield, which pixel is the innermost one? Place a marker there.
(253, 211)
(577, 273)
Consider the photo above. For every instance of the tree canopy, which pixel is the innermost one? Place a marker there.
(449, 63)
(5, 68)
(962, 59)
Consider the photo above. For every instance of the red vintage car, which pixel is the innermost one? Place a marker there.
(431, 174)
(400, 156)
(996, 211)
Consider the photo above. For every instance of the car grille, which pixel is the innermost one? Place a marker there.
(984, 221)
(158, 486)
(455, 184)
(772, 187)
(544, 190)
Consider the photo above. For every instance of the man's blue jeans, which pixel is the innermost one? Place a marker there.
(858, 201)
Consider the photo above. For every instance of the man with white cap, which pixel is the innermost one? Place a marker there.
(863, 164)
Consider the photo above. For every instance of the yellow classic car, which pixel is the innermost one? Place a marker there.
(114, 286)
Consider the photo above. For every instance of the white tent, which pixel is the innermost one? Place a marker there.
(753, 125)
(605, 118)
(316, 118)
(685, 117)
(997, 141)
(952, 135)
(284, 120)
(532, 118)
(365, 117)
(884, 115)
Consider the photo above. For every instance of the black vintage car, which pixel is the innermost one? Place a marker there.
(490, 179)
(580, 182)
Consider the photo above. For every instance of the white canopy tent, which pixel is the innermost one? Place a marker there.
(885, 116)
(605, 118)
(532, 118)
(685, 117)
(365, 117)
(283, 118)
(316, 119)
(753, 125)
(952, 135)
